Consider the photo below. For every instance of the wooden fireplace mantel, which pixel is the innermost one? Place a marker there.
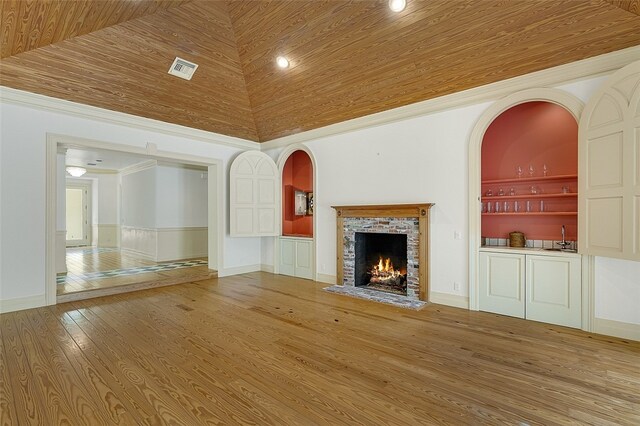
(384, 210)
(419, 211)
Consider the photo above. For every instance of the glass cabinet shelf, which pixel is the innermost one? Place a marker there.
(532, 214)
(529, 196)
(529, 179)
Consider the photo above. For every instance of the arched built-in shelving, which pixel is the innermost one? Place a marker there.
(529, 166)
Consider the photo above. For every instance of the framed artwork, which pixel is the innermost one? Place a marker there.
(310, 203)
(300, 203)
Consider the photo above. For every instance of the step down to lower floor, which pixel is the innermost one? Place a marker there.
(127, 288)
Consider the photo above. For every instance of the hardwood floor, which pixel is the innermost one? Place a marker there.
(267, 349)
(83, 261)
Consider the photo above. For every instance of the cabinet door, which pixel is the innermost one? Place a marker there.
(609, 168)
(287, 257)
(304, 259)
(253, 196)
(554, 290)
(502, 283)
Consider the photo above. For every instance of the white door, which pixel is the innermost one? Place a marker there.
(77, 215)
(287, 257)
(554, 290)
(609, 168)
(502, 278)
(254, 196)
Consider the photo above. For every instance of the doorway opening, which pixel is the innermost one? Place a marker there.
(77, 213)
(150, 219)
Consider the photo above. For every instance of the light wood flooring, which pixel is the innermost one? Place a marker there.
(83, 260)
(266, 349)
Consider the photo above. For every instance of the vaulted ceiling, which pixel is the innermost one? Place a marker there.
(348, 58)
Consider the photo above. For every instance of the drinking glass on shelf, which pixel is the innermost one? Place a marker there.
(506, 207)
(528, 206)
(545, 170)
(489, 207)
(512, 191)
(497, 206)
(489, 193)
(483, 207)
(565, 190)
(531, 170)
(516, 206)
(542, 205)
(533, 189)
(519, 171)
(500, 192)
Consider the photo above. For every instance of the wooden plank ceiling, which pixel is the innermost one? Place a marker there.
(349, 58)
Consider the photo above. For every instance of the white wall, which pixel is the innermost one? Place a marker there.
(617, 291)
(181, 199)
(139, 199)
(107, 199)
(23, 132)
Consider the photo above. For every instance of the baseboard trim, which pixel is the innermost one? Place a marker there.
(449, 300)
(237, 270)
(327, 279)
(624, 330)
(21, 303)
(267, 268)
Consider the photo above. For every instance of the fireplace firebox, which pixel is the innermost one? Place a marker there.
(381, 262)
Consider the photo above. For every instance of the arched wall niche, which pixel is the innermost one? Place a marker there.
(555, 96)
(537, 141)
(297, 178)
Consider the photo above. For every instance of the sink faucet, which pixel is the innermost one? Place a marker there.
(564, 243)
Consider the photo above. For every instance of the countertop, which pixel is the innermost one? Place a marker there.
(526, 250)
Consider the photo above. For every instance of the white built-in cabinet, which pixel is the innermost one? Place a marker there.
(296, 257)
(534, 285)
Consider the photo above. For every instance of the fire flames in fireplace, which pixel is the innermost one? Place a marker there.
(384, 276)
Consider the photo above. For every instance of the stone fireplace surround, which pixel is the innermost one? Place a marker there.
(409, 219)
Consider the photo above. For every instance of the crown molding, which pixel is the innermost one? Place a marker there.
(96, 171)
(138, 167)
(562, 74)
(34, 100)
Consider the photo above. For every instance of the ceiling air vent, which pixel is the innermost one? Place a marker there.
(183, 69)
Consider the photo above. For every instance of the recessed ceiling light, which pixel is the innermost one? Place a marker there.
(397, 5)
(282, 62)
